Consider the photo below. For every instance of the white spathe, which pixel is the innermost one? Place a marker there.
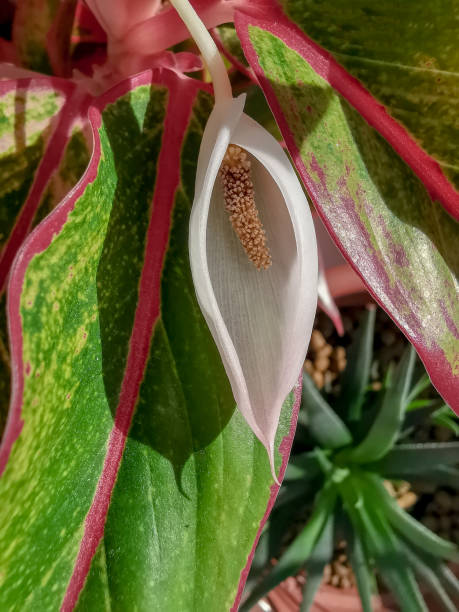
(261, 320)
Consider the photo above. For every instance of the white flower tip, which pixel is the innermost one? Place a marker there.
(271, 455)
(261, 320)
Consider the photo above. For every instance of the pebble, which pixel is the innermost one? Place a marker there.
(407, 500)
(322, 364)
(325, 351)
(317, 340)
(318, 378)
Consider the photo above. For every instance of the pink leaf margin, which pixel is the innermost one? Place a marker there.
(423, 165)
(323, 63)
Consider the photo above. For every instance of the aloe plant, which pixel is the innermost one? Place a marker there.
(356, 441)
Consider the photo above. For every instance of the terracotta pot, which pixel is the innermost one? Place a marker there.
(286, 597)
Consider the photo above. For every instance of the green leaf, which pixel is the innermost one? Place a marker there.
(324, 424)
(108, 340)
(386, 427)
(410, 459)
(381, 543)
(448, 579)
(260, 561)
(421, 385)
(356, 375)
(445, 410)
(421, 403)
(298, 552)
(375, 208)
(394, 571)
(429, 578)
(418, 417)
(445, 417)
(318, 559)
(443, 573)
(447, 422)
(361, 570)
(405, 524)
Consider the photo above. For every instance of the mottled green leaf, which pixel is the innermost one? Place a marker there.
(27, 114)
(108, 341)
(43, 152)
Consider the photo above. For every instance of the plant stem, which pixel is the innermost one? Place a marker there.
(207, 47)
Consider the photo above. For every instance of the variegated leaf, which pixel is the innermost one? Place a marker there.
(403, 244)
(116, 379)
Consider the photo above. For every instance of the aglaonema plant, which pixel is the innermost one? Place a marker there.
(358, 440)
(122, 352)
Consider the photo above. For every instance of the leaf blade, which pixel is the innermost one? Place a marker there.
(389, 69)
(319, 557)
(322, 421)
(386, 427)
(113, 257)
(357, 373)
(345, 167)
(410, 459)
(409, 527)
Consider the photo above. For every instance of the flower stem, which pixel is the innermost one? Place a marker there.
(207, 47)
